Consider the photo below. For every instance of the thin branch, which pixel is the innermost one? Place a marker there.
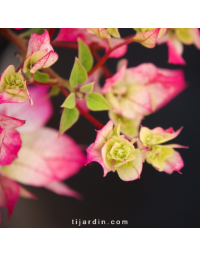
(107, 72)
(64, 45)
(127, 40)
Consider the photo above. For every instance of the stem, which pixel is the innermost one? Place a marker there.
(90, 118)
(64, 45)
(127, 40)
(51, 31)
(106, 70)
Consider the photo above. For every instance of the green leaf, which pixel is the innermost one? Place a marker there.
(85, 55)
(88, 88)
(32, 30)
(68, 118)
(96, 102)
(70, 101)
(78, 74)
(54, 91)
(41, 77)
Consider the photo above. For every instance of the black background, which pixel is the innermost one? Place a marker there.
(156, 199)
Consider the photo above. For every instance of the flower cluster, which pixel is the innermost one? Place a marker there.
(35, 155)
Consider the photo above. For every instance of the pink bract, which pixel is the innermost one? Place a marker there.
(10, 141)
(40, 52)
(153, 88)
(37, 115)
(45, 158)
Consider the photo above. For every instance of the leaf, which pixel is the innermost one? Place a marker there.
(54, 91)
(70, 101)
(68, 118)
(96, 102)
(85, 55)
(88, 88)
(32, 30)
(78, 74)
(41, 77)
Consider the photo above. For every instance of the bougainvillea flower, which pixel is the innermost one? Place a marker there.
(162, 157)
(142, 90)
(45, 158)
(37, 115)
(175, 38)
(10, 141)
(13, 87)
(40, 53)
(90, 38)
(115, 153)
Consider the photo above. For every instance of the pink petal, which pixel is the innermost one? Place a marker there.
(45, 158)
(37, 115)
(71, 34)
(139, 102)
(94, 150)
(175, 50)
(167, 85)
(163, 84)
(49, 59)
(174, 163)
(119, 52)
(39, 43)
(9, 193)
(62, 189)
(10, 141)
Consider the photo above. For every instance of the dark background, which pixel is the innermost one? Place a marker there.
(156, 199)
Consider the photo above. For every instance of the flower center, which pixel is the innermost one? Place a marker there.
(14, 81)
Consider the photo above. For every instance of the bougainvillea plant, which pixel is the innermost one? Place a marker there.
(35, 155)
